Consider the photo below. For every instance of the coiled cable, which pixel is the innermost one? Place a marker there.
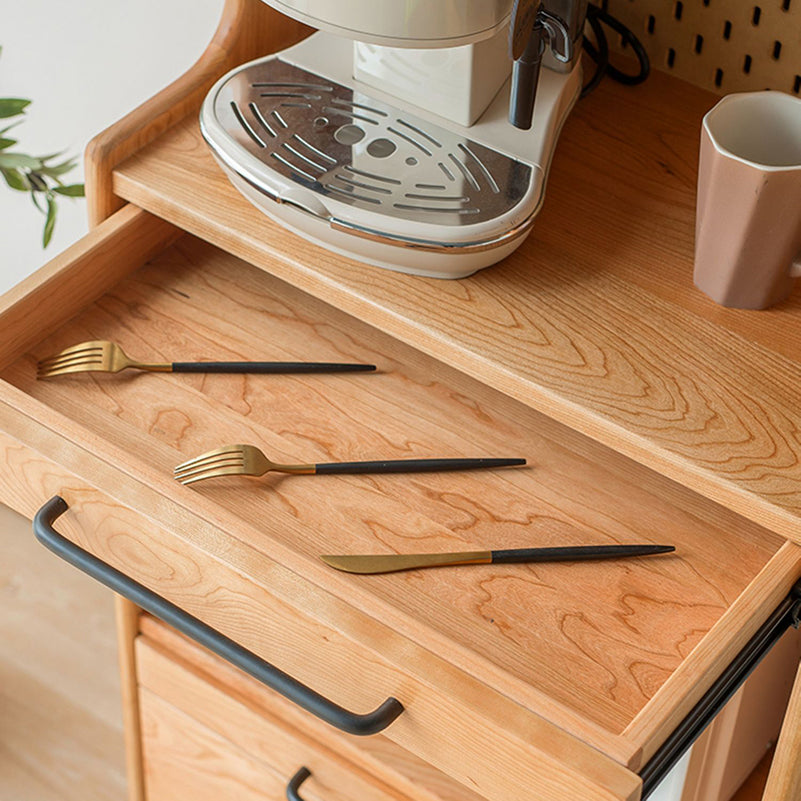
(599, 52)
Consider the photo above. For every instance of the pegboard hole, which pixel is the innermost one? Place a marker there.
(756, 16)
(747, 61)
(718, 77)
(786, 5)
(651, 23)
(727, 30)
(777, 50)
(671, 57)
(678, 9)
(797, 84)
(699, 43)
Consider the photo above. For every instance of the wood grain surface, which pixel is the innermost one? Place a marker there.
(598, 639)
(594, 321)
(175, 665)
(253, 722)
(459, 724)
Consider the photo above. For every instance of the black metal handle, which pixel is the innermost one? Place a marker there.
(415, 465)
(270, 367)
(308, 699)
(293, 786)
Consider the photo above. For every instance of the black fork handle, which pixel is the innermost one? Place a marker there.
(270, 367)
(303, 696)
(415, 465)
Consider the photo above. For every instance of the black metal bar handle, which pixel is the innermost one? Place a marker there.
(303, 696)
(293, 786)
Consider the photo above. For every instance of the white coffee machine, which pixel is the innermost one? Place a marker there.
(415, 135)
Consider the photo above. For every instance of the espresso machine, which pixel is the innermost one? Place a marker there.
(415, 136)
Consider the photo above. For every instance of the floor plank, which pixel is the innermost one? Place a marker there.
(60, 717)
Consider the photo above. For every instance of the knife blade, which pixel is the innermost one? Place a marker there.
(390, 563)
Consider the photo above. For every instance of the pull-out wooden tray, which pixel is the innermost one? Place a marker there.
(563, 678)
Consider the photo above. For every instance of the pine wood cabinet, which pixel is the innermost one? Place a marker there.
(645, 412)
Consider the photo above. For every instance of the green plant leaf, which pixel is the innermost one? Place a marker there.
(5, 143)
(9, 127)
(19, 160)
(51, 156)
(16, 180)
(73, 190)
(58, 169)
(12, 106)
(50, 222)
(38, 184)
(36, 201)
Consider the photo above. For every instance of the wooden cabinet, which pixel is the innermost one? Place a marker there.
(645, 413)
(193, 703)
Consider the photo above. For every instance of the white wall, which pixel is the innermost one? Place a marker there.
(84, 63)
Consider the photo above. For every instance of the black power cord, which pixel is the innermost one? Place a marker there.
(599, 52)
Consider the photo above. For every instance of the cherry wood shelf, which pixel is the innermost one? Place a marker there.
(594, 321)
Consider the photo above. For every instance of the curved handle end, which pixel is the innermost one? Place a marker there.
(378, 720)
(47, 515)
(293, 786)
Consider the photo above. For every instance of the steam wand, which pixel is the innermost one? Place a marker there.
(545, 27)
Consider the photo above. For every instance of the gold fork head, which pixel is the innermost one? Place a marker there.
(97, 355)
(233, 460)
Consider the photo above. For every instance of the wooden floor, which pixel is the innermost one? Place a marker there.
(60, 719)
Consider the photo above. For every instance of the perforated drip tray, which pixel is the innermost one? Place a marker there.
(281, 128)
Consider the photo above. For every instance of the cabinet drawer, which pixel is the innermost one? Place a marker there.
(210, 728)
(560, 678)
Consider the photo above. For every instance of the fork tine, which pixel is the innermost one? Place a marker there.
(67, 360)
(214, 473)
(79, 348)
(73, 368)
(225, 450)
(230, 461)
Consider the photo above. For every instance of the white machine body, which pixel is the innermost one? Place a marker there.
(401, 158)
(404, 23)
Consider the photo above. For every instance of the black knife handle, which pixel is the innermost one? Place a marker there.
(270, 367)
(414, 465)
(577, 553)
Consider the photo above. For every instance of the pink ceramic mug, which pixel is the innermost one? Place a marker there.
(748, 218)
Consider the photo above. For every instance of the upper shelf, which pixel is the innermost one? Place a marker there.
(594, 321)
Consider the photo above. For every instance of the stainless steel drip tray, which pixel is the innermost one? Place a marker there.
(362, 165)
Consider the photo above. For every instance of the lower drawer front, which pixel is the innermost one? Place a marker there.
(183, 757)
(210, 732)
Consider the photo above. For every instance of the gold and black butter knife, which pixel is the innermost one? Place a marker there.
(390, 563)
